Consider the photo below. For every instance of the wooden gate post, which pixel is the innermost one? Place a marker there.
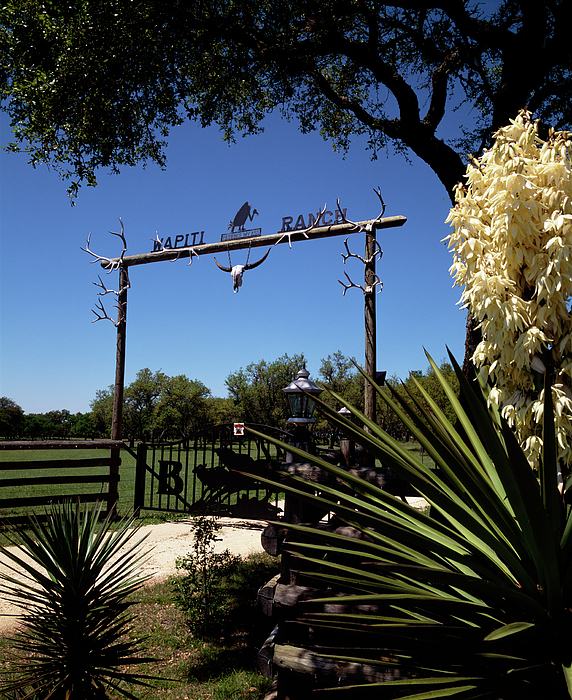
(370, 324)
(117, 420)
(139, 496)
(112, 488)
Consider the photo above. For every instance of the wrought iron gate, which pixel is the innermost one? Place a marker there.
(201, 473)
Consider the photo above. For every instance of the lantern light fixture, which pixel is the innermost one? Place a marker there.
(346, 413)
(301, 393)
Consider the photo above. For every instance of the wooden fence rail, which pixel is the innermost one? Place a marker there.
(20, 478)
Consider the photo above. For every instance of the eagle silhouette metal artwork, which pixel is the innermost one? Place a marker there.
(241, 216)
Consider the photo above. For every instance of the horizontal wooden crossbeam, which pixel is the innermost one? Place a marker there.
(257, 242)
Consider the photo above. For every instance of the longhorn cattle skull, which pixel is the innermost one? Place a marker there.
(237, 271)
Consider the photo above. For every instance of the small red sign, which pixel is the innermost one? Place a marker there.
(239, 428)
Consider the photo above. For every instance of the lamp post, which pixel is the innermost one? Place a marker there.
(301, 393)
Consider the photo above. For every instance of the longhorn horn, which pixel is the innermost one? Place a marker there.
(256, 264)
(224, 269)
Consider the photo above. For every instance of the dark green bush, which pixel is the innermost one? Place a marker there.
(218, 590)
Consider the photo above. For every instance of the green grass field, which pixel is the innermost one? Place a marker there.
(414, 448)
(11, 461)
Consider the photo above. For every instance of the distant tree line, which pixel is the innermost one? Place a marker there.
(158, 407)
(61, 424)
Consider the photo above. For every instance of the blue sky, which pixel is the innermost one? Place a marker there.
(186, 320)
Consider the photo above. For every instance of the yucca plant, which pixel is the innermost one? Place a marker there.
(471, 601)
(79, 570)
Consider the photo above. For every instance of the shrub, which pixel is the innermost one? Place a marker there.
(199, 592)
(218, 591)
(72, 643)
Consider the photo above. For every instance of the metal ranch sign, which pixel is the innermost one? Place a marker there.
(250, 233)
(181, 241)
(300, 224)
(237, 231)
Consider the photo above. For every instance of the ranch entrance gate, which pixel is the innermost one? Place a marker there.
(315, 231)
(201, 473)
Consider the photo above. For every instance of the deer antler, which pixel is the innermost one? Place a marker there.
(103, 315)
(122, 236)
(118, 306)
(366, 290)
(365, 261)
(305, 231)
(377, 251)
(368, 228)
(110, 291)
(162, 247)
(114, 264)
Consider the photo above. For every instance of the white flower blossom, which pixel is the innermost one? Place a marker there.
(512, 257)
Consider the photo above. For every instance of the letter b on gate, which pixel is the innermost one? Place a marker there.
(170, 483)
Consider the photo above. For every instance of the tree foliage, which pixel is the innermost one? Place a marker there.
(11, 417)
(102, 411)
(512, 243)
(56, 424)
(161, 406)
(182, 408)
(339, 374)
(257, 390)
(100, 84)
(155, 405)
(140, 401)
(221, 410)
(85, 426)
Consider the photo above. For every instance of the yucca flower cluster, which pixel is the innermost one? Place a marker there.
(512, 244)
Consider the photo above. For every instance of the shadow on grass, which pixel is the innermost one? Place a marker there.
(215, 661)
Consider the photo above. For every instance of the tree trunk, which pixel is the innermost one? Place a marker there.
(472, 338)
